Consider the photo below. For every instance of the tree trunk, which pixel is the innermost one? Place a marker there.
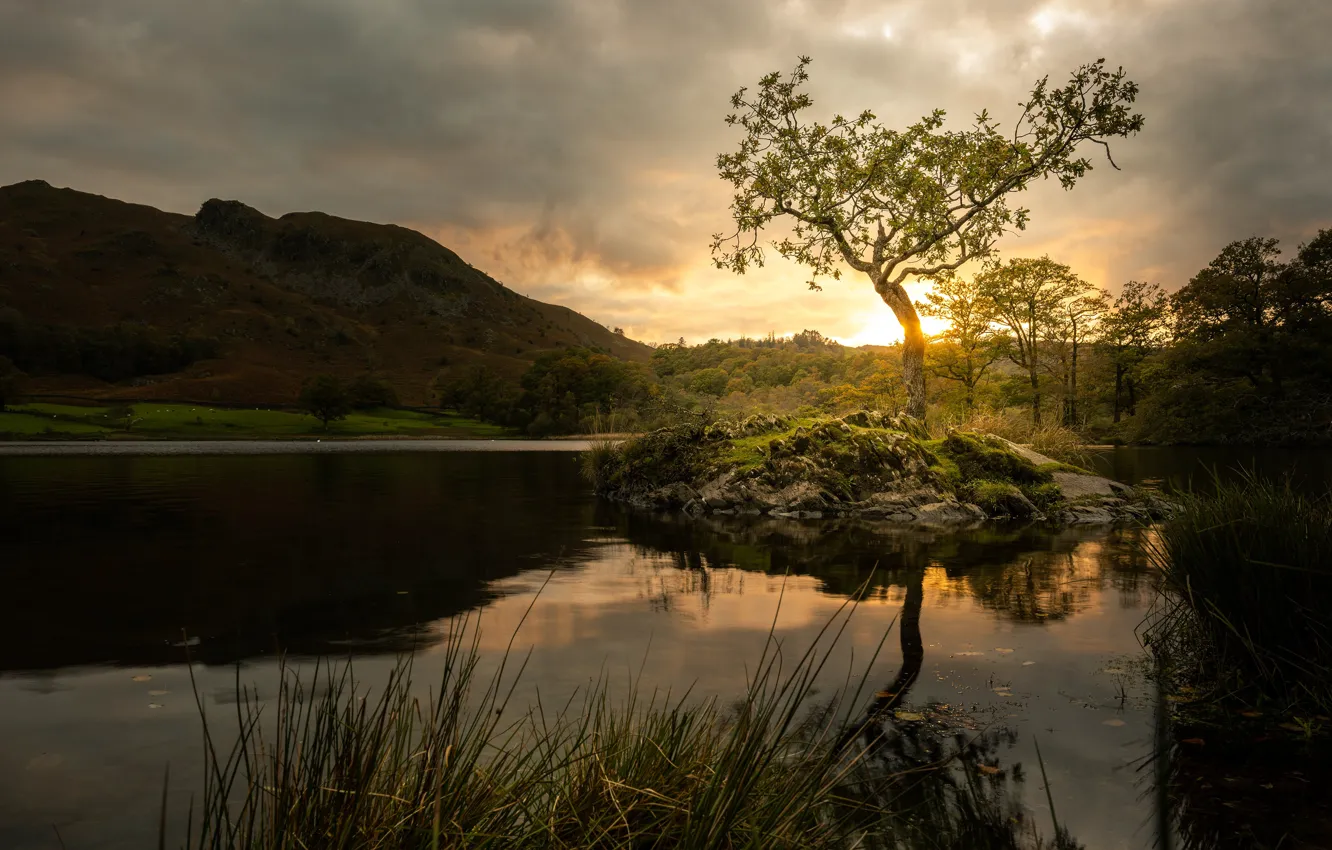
(913, 647)
(1119, 387)
(1035, 394)
(1073, 388)
(1133, 398)
(913, 659)
(913, 345)
(913, 369)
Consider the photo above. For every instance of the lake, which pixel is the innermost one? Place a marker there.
(120, 561)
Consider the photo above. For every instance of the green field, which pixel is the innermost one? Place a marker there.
(193, 421)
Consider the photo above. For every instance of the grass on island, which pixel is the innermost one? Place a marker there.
(846, 454)
(195, 421)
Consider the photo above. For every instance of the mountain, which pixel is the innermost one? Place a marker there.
(109, 299)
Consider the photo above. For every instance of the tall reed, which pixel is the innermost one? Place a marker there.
(603, 447)
(1248, 573)
(327, 764)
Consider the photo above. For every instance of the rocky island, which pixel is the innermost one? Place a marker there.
(866, 464)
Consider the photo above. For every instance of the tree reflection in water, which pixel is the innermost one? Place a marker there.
(944, 786)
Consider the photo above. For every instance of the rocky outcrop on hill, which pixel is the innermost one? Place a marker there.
(865, 464)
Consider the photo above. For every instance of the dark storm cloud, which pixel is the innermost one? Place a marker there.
(552, 140)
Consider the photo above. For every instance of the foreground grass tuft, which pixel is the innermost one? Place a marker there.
(1248, 570)
(327, 763)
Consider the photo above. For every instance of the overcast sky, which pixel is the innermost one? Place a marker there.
(567, 147)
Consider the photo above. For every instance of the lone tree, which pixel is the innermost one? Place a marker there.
(327, 399)
(893, 204)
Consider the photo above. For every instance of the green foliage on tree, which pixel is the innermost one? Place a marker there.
(326, 398)
(479, 392)
(896, 204)
(971, 343)
(563, 392)
(1134, 329)
(113, 353)
(368, 391)
(1073, 324)
(711, 381)
(1251, 357)
(1031, 297)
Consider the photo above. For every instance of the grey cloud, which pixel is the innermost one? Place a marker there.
(552, 122)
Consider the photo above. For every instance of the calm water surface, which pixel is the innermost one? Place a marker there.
(111, 562)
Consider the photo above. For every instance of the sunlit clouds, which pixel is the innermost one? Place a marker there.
(567, 147)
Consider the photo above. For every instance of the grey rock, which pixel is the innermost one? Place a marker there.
(1013, 505)
(1073, 485)
(675, 494)
(1088, 515)
(948, 514)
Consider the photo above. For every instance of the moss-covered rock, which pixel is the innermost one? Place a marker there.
(863, 464)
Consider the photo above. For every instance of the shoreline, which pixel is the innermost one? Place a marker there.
(274, 446)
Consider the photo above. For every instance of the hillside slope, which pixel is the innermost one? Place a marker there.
(282, 298)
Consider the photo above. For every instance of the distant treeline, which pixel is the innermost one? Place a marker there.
(114, 353)
(1242, 353)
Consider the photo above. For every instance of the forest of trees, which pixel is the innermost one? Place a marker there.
(1242, 353)
(112, 353)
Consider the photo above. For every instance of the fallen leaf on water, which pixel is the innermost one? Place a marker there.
(985, 768)
(911, 716)
(968, 653)
(1028, 663)
(154, 705)
(1114, 722)
(1177, 698)
(1002, 649)
(1251, 713)
(143, 678)
(1195, 741)
(1290, 727)
(158, 693)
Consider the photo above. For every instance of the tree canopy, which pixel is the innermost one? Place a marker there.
(972, 343)
(1028, 296)
(326, 398)
(893, 204)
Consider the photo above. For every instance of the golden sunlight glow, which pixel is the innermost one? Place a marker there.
(881, 328)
